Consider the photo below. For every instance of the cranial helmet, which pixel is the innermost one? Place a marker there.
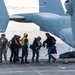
(25, 35)
(2, 34)
(39, 37)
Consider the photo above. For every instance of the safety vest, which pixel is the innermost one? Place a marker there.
(22, 41)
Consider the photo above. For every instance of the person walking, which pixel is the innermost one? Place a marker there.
(36, 48)
(24, 45)
(3, 48)
(50, 41)
(15, 45)
(18, 47)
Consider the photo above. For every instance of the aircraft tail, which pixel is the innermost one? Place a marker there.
(52, 6)
(4, 17)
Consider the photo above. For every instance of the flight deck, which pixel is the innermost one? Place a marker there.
(39, 68)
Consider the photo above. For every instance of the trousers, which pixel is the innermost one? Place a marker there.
(50, 55)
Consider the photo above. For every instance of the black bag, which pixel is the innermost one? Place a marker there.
(53, 41)
(19, 45)
(31, 46)
(54, 51)
(67, 55)
(9, 44)
(64, 55)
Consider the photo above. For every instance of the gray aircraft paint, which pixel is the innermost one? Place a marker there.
(4, 18)
(56, 24)
(52, 6)
(70, 6)
(61, 26)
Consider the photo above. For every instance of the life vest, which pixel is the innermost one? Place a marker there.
(22, 41)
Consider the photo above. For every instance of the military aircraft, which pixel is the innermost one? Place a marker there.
(51, 18)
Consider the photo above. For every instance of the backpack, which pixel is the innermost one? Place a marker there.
(22, 41)
(9, 44)
(53, 41)
(31, 46)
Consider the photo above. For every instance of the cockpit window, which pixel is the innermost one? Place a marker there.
(67, 1)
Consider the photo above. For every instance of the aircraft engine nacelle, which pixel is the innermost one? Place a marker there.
(67, 36)
(69, 7)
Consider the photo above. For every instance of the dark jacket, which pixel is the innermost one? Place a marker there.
(3, 43)
(36, 45)
(26, 43)
(14, 44)
(49, 41)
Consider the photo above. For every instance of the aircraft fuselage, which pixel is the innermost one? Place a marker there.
(57, 25)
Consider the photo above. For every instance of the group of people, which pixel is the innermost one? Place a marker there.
(17, 43)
